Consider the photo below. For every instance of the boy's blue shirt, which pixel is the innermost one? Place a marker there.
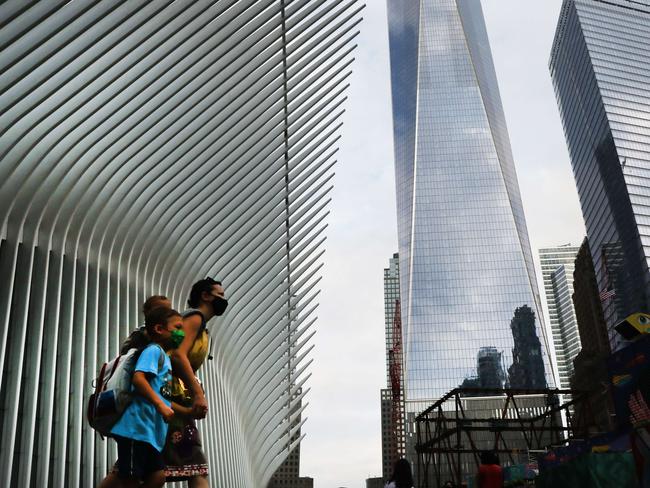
(141, 421)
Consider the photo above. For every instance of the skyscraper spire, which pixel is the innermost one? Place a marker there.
(465, 259)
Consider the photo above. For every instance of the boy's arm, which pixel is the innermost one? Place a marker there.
(143, 387)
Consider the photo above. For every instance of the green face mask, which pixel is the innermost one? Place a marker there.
(177, 337)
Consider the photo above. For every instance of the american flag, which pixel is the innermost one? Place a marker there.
(607, 294)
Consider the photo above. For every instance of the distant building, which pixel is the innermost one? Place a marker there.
(302, 482)
(288, 474)
(375, 483)
(557, 265)
(392, 402)
(527, 369)
(599, 66)
(389, 442)
(489, 370)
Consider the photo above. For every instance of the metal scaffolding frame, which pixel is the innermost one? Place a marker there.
(445, 432)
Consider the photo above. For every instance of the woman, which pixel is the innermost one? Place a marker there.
(402, 477)
(183, 450)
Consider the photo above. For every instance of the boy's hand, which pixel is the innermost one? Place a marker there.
(166, 412)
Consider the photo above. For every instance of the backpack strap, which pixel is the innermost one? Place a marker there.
(161, 359)
(204, 326)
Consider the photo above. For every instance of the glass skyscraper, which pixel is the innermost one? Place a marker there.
(558, 264)
(391, 301)
(600, 65)
(467, 277)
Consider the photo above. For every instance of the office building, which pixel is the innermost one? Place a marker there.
(392, 401)
(374, 482)
(288, 474)
(389, 441)
(145, 146)
(558, 264)
(466, 265)
(599, 66)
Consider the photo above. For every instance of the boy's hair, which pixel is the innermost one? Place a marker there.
(152, 303)
(204, 285)
(159, 316)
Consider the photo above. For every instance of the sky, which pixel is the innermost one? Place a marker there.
(343, 431)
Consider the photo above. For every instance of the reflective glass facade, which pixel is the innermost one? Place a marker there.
(392, 406)
(466, 271)
(600, 65)
(391, 300)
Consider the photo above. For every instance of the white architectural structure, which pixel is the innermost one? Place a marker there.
(558, 264)
(143, 146)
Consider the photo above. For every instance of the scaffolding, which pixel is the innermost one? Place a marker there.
(514, 423)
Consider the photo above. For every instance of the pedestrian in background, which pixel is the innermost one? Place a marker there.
(402, 476)
(490, 473)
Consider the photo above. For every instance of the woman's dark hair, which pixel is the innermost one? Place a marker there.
(402, 474)
(204, 285)
(159, 316)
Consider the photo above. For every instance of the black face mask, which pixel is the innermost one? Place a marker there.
(219, 305)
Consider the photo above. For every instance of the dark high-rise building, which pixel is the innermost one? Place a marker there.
(465, 258)
(599, 65)
(389, 440)
(527, 369)
(587, 304)
(589, 366)
(288, 474)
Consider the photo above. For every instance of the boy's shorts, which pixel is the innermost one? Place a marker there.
(136, 459)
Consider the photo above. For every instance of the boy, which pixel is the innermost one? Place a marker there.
(139, 337)
(140, 432)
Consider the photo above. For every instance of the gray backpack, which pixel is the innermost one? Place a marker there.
(113, 392)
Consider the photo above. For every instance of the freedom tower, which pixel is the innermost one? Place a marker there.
(466, 270)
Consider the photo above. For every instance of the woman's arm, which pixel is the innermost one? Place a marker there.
(183, 368)
(181, 410)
